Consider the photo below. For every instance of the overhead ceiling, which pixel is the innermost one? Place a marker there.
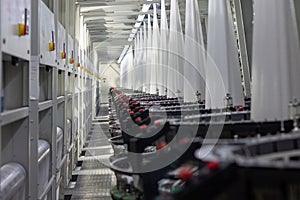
(110, 22)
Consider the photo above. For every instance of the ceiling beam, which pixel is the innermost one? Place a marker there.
(83, 3)
(108, 20)
(107, 14)
(101, 28)
(111, 8)
(93, 32)
(99, 45)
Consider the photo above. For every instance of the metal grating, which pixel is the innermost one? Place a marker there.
(94, 177)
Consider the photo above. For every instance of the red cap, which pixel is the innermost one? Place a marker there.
(141, 110)
(240, 108)
(213, 165)
(138, 119)
(157, 122)
(186, 173)
(161, 145)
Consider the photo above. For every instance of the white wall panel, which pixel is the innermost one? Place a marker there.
(70, 52)
(81, 58)
(61, 45)
(47, 34)
(13, 14)
(76, 56)
(86, 61)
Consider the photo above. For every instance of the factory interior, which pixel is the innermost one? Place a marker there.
(150, 100)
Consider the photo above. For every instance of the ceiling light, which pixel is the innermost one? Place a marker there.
(132, 35)
(124, 52)
(138, 25)
(140, 18)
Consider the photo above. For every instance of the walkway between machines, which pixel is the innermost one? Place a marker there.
(94, 179)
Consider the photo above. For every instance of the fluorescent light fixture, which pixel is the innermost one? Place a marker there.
(124, 52)
(140, 18)
(146, 7)
(134, 31)
(132, 35)
(138, 25)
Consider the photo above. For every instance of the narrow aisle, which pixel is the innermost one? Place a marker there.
(94, 178)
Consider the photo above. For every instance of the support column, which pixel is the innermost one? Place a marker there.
(34, 101)
(54, 107)
(65, 167)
